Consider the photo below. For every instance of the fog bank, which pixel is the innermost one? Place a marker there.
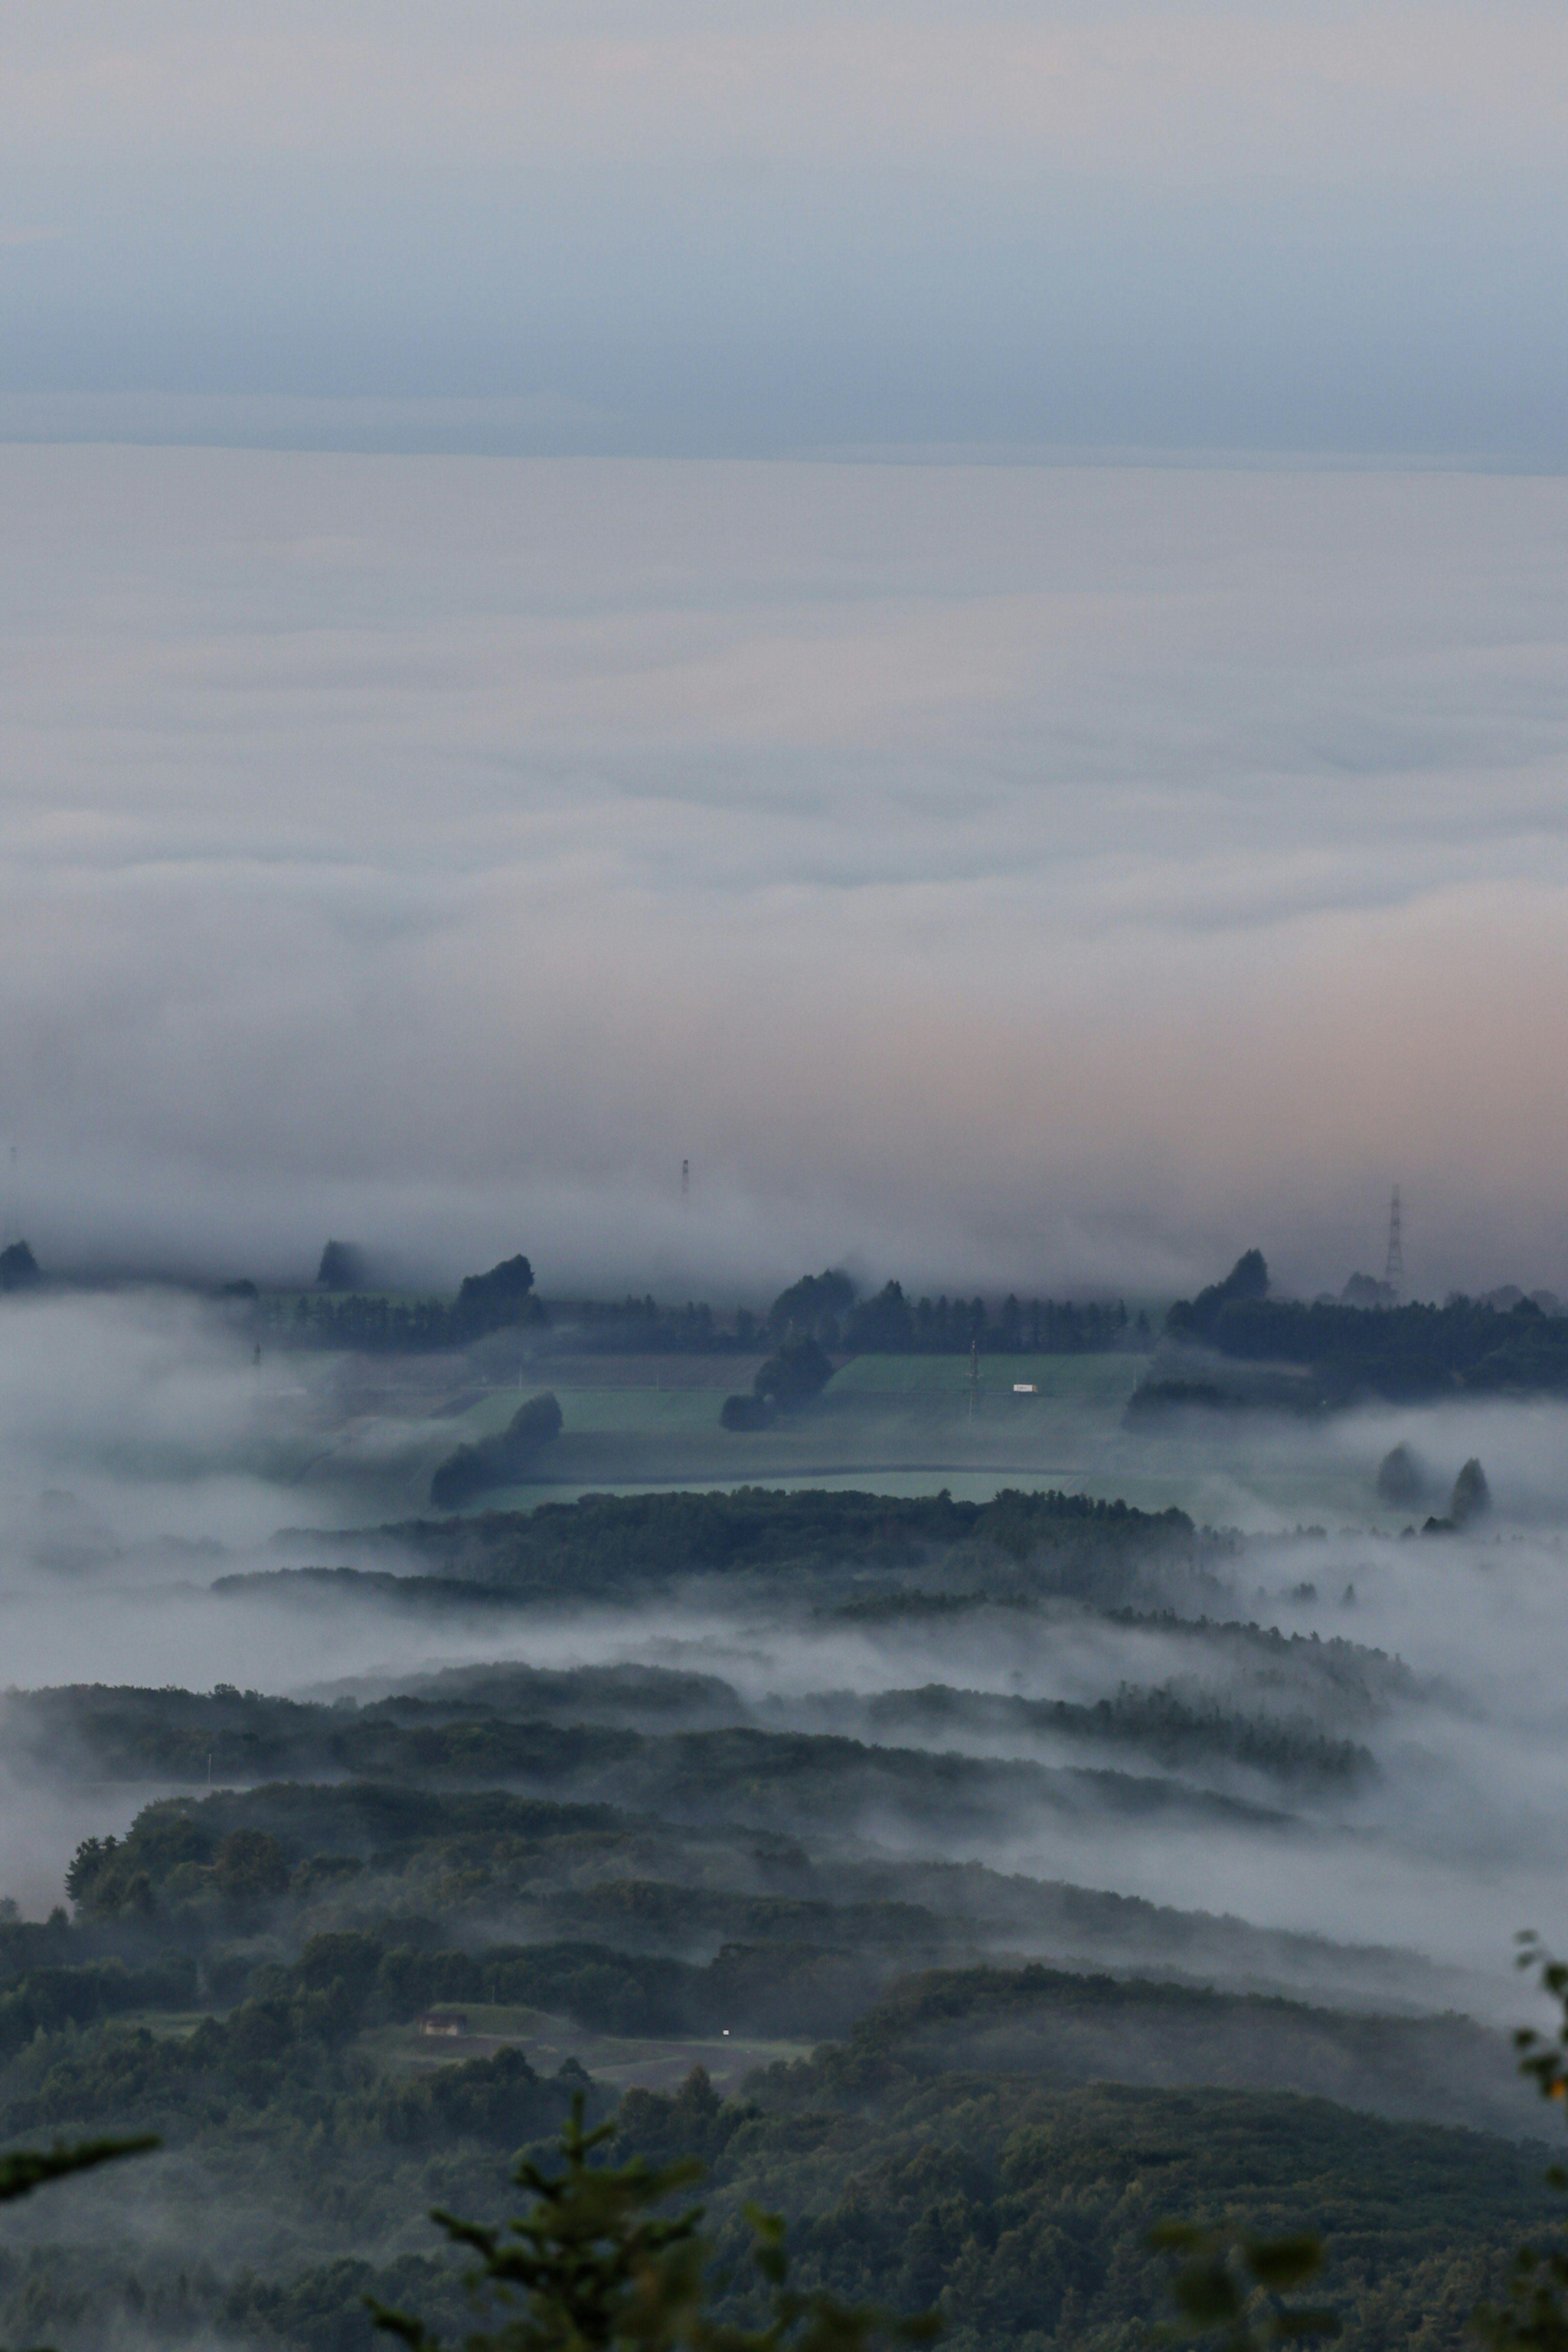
(1017, 875)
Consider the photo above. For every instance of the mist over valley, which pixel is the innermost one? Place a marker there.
(783, 1278)
(1084, 1744)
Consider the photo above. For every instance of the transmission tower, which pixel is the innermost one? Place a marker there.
(1393, 1272)
(686, 1180)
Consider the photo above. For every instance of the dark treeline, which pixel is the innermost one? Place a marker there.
(517, 1726)
(822, 1306)
(890, 1323)
(887, 1324)
(1403, 1354)
(1174, 1729)
(642, 1326)
(780, 1782)
(797, 1371)
(19, 1268)
(373, 1323)
(1068, 2027)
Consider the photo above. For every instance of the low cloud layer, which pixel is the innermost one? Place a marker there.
(786, 227)
(1034, 875)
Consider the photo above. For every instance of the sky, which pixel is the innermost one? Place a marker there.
(1034, 875)
(778, 227)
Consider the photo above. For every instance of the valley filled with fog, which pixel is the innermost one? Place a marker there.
(1365, 1723)
(968, 1731)
(730, 737)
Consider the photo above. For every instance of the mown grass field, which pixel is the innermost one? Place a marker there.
(1096, 1378)
(650, 2061)
(898, 1424)
(903, 1424)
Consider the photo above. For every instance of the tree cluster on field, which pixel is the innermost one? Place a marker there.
(796, 1372)
(1404, 1354)
(505, 1459)
(19, 1269)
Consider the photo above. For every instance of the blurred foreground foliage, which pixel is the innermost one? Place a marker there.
(28, 2169)
(592, 2262)
(1534, 2316)
(1228, 2286)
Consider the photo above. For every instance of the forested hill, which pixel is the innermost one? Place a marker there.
(521, 1724)
(607, 1544)
(1063, 2027)
(767, 1781)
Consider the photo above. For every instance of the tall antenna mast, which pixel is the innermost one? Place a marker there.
(1393, 1272)
(686, 1180)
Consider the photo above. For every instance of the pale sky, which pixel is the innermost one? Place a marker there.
(690, 228)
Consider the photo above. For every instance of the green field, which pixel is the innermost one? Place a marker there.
(907, 1423)
(643, 1411)
(900, 1424)
(1099, 1378)
(652, 2062)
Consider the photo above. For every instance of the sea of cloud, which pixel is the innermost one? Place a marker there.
(1020, 875)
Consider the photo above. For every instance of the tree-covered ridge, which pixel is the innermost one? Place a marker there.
(779, 1780)
(553, 1728)
(634, 1544)
(1066, 2027)
(1177, 1730)
(312, 1923)
(1024, 2211)
(214, 1884)
(285, 2069)
(1020, 2209)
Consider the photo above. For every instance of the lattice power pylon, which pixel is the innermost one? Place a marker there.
(1393, 1272)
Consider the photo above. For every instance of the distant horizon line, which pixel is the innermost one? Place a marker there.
(524, 429)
